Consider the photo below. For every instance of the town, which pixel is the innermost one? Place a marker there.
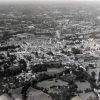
(50, 51)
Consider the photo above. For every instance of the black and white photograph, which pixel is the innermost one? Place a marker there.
(49, 49)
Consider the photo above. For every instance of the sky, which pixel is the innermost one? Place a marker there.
(44, 0)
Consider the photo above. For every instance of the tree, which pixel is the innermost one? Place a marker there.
(38, 68)
(99, 77)
(93, 74)
(22, 64)
(50, 53)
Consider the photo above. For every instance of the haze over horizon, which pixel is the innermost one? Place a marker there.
(49, 0)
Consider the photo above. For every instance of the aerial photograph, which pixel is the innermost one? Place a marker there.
(49, 49)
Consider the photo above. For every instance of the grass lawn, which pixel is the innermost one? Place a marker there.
(48, 83)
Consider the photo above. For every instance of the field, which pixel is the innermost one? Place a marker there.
(5, 97)
(83, 86)
(32, 93)
(54, 70)
(48, 84)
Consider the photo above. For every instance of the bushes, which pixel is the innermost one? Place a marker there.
(79, 91)
(38, 68)
(88, 90)
(44, 76)
(76, 51)
(14, 70)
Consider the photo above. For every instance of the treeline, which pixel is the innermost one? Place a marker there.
(5, 48)
(11, 70)
(44, 66)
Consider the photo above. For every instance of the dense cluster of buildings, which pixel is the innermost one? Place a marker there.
(56, 48)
